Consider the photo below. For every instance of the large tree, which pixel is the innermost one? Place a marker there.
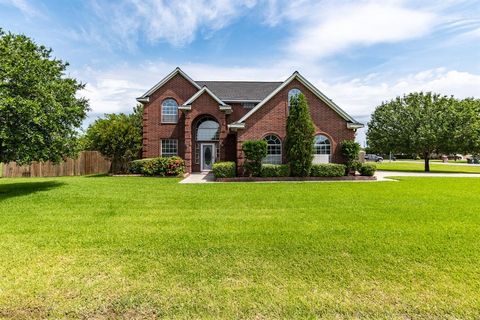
(417, 123)
(118, 137)
(40, 112)
(300, 135)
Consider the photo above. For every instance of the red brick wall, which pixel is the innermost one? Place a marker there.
(272, 117)
(203, 106)
(177, 88)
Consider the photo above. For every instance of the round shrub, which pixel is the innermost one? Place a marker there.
(224, 169)
(368, 169)
(255, 151)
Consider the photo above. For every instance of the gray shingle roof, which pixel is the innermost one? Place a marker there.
(240, 90)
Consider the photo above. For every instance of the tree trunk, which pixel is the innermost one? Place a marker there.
(427, 162)
(116, 165)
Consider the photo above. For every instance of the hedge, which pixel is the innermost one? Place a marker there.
(368, 169)
(327, 170)
(224, 169)
(275, 170)
(163, 166)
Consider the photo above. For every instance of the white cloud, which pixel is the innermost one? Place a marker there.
(115, 90)
(333, 28)
(175, 22)
(24, 6)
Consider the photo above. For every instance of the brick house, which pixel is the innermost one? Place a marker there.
(207, 121)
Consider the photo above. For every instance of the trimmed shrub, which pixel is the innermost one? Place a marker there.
(163, 166)
(368, 169)
(224, 169)
(355, 165)
(327, 170)
(350, 150)
(300, 135)
(275, 170)
(136, 166)
(255, 151)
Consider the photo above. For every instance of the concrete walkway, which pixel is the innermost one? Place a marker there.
(382, 175)
(206, 177)
(199, 177)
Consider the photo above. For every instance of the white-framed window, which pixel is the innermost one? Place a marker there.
(169, 111)
(322, 149)
(208, 129)
(169, 147)
(274, 150)
(292, 93)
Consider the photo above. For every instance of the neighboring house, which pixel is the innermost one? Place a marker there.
(207, 121)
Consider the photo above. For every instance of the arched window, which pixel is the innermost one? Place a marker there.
(169, 111)
(322, 149)
(292, 93)
(274, 150)
(208, 129)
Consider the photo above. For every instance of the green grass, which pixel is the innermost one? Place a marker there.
(419, 167)
(111, 247)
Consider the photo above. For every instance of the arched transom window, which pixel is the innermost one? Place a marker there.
(322, 149)
(208, 130)
(274, 150)
(169, 111)
(292, 93)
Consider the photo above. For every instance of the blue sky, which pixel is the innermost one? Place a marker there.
(359, 53)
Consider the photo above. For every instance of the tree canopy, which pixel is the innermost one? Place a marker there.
(425, 123)
(40, 113)
(118, 137)
(300, 135)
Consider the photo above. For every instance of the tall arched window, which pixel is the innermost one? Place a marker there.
(169, 111)
(292, 93)
(274, 150)
(322, 149)
(208, 129)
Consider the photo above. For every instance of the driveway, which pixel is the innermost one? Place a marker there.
(381, 175)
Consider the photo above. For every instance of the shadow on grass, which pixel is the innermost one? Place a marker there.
(18, 189)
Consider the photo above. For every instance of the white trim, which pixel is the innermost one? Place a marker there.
(306, 83)
(236, 125)
(184, 107)
(201, 155)
(146, 95)
(200, 92)
(355, 125)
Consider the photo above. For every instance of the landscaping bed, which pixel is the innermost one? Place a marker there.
(267, 179)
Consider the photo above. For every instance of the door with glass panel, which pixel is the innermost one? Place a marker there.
(207, 156)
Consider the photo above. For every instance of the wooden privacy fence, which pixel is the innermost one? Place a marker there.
(88, 162)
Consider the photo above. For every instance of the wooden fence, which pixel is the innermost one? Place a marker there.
(88, 162)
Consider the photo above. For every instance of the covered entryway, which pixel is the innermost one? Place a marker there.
(207, 136)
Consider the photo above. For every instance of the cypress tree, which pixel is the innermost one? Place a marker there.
(300, 135)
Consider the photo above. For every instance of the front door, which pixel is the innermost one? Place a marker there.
(207, 156)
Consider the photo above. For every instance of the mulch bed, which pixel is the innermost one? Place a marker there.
(258, 179)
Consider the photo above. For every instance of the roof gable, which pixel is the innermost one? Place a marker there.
(145, 97)
(202, 91)
(308, 85)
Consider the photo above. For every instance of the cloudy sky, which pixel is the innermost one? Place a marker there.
(359, 53)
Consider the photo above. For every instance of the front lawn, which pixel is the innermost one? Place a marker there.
(420, 166)
(109, 247)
